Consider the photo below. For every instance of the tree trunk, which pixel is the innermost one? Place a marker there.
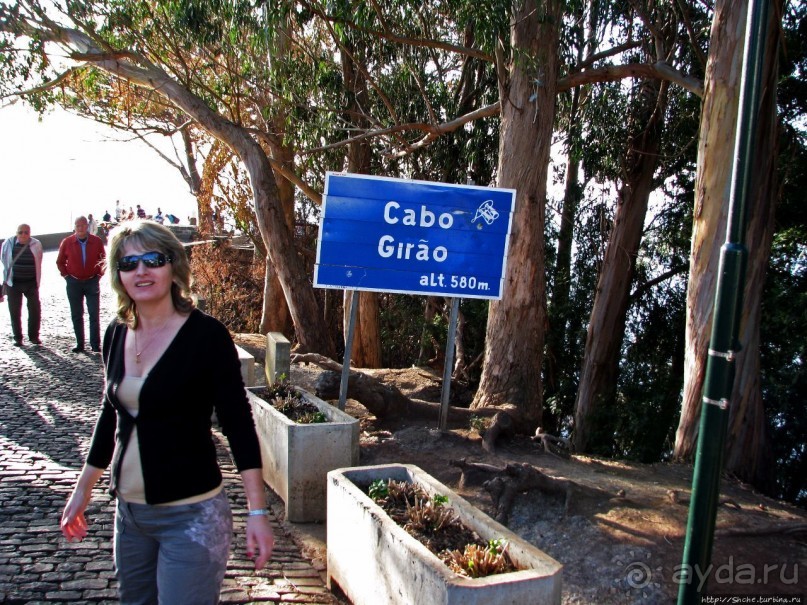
(191, 176)
(366, 351)
(433, 305)
(561, 287)
(715, 155)
(748, 453)
(275, 316)
(559, 360)
(747, 450)
(515, 331)
(606, 327)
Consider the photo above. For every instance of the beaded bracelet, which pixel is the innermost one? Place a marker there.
(258, 512)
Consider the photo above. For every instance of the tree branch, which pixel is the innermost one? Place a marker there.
(590, 60)
(49, 84)
(415, 42)
(611, 73)
(438, 130)
(642, 288)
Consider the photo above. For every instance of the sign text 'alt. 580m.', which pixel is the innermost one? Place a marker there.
(413, 237)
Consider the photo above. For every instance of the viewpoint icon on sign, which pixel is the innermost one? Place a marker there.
(487, 212)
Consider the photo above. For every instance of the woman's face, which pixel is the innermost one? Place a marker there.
(146, 284)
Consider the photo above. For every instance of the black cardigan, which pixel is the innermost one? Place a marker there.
(198, 373)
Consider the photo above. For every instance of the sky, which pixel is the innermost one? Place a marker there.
(61, 166)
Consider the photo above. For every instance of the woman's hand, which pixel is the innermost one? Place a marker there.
(260, 540)
(74, 525)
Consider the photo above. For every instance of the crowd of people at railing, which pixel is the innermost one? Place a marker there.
(108, 220)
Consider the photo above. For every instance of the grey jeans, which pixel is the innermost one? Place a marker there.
(172, 555)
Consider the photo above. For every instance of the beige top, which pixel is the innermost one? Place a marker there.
(131, 486)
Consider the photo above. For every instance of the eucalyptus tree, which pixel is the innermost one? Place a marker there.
(641, 171)
(747, 447)
(170, 49)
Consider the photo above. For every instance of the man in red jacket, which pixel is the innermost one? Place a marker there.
(81, 263)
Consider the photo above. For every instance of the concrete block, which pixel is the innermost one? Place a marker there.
(297, 457)
(278, 355)
(247, 361)
(374, 561)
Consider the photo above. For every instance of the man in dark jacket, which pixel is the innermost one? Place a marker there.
(81, 263)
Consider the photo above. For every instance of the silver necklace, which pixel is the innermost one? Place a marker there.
(152, 339)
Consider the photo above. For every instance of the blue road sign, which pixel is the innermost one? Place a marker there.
(413, 237)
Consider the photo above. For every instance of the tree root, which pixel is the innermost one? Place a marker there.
(796, 530)
(555, 446)
(506, 483)
(677, 498)
(380, 399)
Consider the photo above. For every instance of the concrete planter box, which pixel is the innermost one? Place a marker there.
(297, 457)
(374, 561)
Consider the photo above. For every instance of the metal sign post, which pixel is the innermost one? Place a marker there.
(351, 328)
(448, 364)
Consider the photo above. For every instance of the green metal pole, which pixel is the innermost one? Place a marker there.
(720, 366)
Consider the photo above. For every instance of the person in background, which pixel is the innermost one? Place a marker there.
(159, 218)
(168, 368)
(118, 211)
(81, 262)
(21, 255)
(92, 225)
(141, 213)
(107, 217)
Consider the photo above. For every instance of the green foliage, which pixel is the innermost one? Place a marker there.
(784, 328)
(479, 424)
(440, 500)
(378, 489)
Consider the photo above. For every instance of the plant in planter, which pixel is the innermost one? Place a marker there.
(374, 559)
(289, 401)
(432, 522)
(297, 455)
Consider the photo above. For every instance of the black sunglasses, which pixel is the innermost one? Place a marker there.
(150, 259)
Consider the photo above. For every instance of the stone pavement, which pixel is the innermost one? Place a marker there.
(49, 398)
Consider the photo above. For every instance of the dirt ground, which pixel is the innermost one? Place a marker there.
(621, 537)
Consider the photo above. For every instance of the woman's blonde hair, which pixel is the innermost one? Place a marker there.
(150, 236)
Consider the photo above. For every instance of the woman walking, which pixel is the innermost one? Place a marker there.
(168, 368)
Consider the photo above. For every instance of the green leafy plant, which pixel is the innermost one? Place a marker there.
(282, 389)
(312, 418)
(378, 490)
(479, 424)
